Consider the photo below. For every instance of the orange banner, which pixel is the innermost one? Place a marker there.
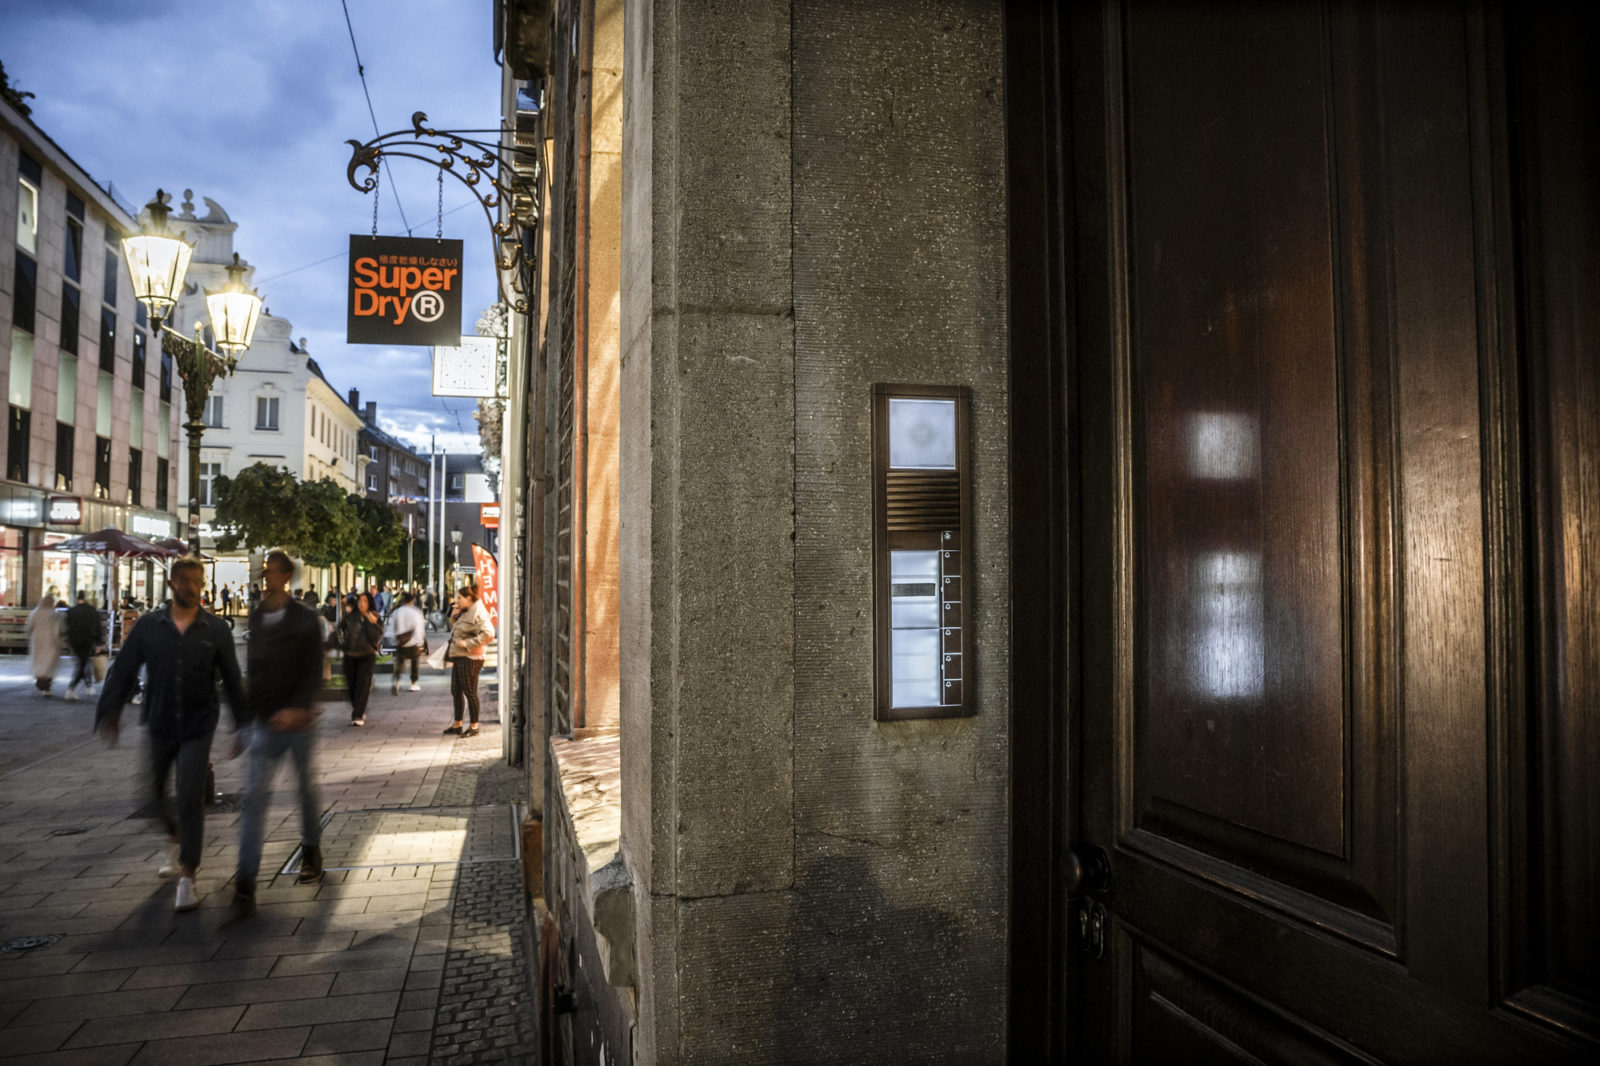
(488, 583)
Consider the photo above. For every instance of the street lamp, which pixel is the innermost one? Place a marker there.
(157, 261)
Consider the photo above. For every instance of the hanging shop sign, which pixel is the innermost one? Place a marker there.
(488, 583)
(151, 526)
(489, 515)
(467, 366)
(66, 511)
(404, 290)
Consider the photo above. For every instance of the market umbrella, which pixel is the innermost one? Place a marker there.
(114, 544)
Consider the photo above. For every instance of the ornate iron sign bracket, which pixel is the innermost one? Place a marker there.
(508, 196)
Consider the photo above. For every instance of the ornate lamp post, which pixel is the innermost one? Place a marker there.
(157, 261)
(455, 559)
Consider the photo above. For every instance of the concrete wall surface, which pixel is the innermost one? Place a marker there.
(813, 202)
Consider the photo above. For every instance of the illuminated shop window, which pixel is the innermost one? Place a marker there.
(921, 549)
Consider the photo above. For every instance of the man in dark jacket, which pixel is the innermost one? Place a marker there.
(84, 634)
(285, 670)
(185, 650)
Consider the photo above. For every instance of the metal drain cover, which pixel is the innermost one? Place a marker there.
(28, 943)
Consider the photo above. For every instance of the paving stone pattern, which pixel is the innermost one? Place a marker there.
(411, 959)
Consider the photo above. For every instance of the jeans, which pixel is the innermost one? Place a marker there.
(400, 656)
(358, 682)
(85, 668)
(192, 757)
(464, 684)
(267, 746)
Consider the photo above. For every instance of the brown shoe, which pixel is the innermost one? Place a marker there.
(310, 867)
(243, 905)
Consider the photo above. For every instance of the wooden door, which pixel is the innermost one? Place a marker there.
(1309, 294)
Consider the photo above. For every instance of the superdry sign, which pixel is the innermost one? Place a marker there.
(404, 290)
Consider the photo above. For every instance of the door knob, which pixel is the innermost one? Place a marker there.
(1088, 870)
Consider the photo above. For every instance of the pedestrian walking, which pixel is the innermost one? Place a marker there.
(410, 641)
(44, 642)
(359, 637)
(184, 650)
(284, 664)
(470, 632)
(227, 601)
(85, 635)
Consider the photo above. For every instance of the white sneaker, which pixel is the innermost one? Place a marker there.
(169, 864)
(72, 694)
(415, 687)
(186, 900)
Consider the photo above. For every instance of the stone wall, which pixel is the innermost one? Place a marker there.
(813, 202)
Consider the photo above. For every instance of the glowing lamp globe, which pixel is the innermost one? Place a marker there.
(234, 310)
(157, 260)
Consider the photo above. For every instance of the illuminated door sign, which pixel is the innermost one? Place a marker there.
(404, 290)
(489, 516)
(148, 526)
(66, 511)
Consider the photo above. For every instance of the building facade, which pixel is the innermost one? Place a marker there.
(1248, 358)
(397, 475)
(92, 420)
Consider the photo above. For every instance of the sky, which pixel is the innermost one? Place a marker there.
(251, 104)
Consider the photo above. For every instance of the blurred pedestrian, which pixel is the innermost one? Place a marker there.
(44, 641)
(185, 650)
(410, 640)
(85, 634)
(285, 670)
(227, 600)
(359, 636)
(470, 632)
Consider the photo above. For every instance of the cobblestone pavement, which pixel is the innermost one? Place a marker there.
(409, 955)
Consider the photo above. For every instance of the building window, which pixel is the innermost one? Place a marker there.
(266, 412)
(67, 391)
(213, 419)
(66, 441)
(108, 340)
(138, 359)
(108, 284)
(166, 377)
(456, 482)
(102, 468)
(104, 397)
(209, 472)
(20, 385)
(372, 481)
(69, 318)
(23, 298)
(19, 426)
(163, 429)
(135, 477)
(162, 474)
(72, 255)
(27, 215)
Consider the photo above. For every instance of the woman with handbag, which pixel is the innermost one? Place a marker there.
(470, 633)
(359, 636)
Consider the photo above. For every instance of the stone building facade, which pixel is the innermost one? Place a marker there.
(1266, 646)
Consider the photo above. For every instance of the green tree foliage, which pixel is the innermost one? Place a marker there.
(331, 530)
(382, 538)
(261, 508)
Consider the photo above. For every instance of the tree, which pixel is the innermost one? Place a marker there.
(330, 530)
(381, 538)
(260, 508)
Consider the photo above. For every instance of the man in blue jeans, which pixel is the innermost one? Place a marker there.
(285, 672)
(185, 650)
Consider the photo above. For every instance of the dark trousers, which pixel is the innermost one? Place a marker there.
(464, 684)
(192, 758)
(358, 682)
(85, 668)
(400, 657)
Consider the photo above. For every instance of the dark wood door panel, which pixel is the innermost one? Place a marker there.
(1328, 993)
(1251, 358)
(1551, 925)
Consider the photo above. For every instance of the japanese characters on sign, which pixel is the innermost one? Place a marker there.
(404, 290)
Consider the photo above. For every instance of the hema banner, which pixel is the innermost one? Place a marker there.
(404, 290)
